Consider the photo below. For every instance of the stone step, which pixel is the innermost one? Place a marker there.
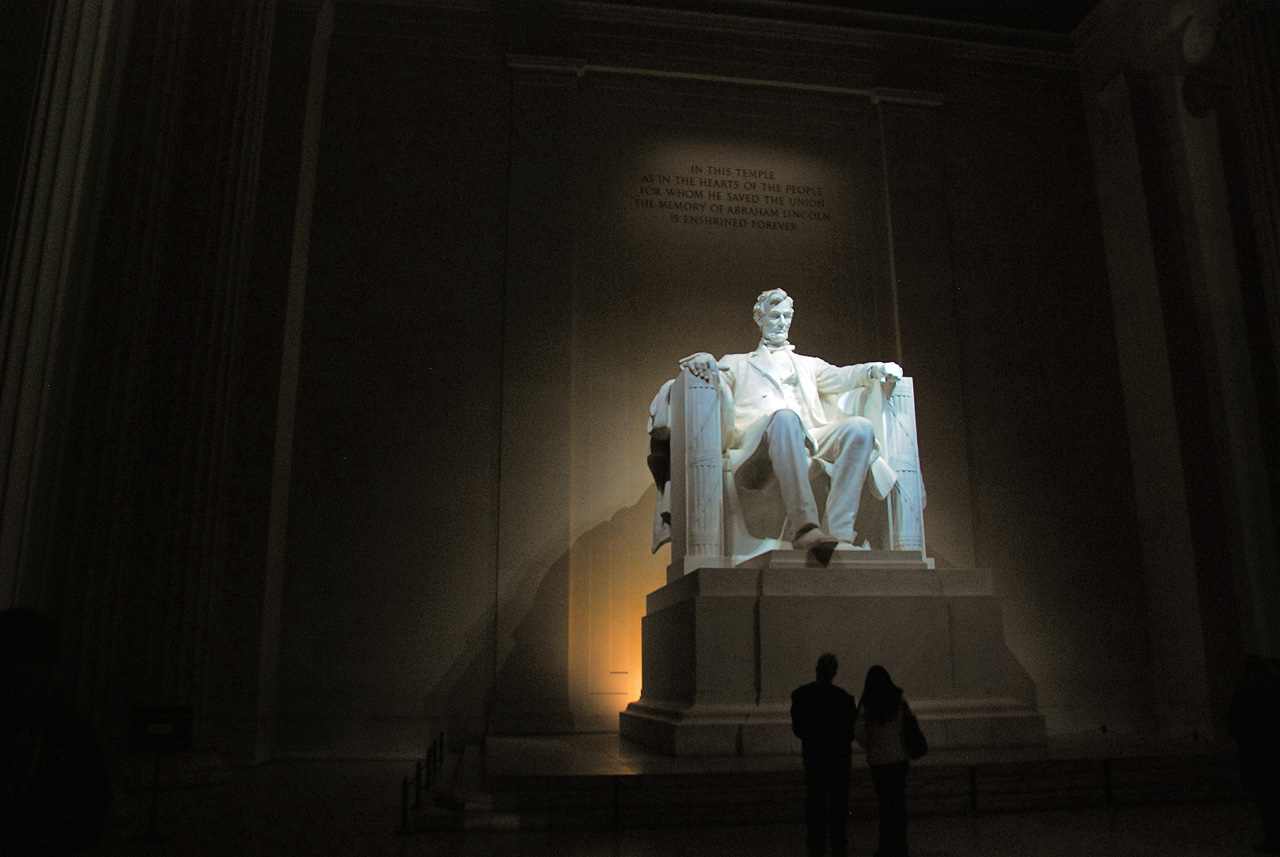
(941, 784)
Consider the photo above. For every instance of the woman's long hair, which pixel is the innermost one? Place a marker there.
(880, 696)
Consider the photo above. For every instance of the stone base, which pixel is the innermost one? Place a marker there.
(759, 731)
(843, 557)
(724, 647)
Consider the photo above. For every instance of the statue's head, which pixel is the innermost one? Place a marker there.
(773, 312)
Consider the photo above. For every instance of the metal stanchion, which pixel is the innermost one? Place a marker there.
(159, 729)
(155, 800)
(404, 805)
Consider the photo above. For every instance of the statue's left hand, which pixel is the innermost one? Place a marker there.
(885, 371)
(702, 365)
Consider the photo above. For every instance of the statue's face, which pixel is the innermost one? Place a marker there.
(776, 322)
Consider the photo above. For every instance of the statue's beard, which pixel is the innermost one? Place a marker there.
(775, 338)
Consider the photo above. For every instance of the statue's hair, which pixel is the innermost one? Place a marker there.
(767, 301)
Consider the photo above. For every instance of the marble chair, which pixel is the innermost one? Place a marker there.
(703, 515)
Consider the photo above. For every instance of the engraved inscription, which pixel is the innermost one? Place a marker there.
(733, 197)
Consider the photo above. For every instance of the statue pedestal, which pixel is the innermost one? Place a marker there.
(724, 647)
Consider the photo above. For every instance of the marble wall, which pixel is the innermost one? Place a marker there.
(512, 250)
(338, 359)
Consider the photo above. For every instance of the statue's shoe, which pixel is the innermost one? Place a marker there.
(818, 543)
(855, 546)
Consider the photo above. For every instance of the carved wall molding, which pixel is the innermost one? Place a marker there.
(849, 27)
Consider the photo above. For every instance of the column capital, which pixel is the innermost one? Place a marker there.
(547, 71)
(906, 97)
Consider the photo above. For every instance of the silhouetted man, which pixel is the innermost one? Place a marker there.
(823, 716)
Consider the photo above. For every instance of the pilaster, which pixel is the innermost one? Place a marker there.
(924, 312)
(532, 582)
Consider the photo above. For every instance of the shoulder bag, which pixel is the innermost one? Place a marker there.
(912, 737)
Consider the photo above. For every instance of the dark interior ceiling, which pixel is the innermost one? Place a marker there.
(1051, 16)
(1054, 16)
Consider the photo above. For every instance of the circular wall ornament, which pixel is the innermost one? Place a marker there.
(1198, 40)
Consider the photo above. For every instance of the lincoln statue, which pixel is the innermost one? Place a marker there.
(780, 422)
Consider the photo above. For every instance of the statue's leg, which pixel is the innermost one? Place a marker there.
(783, 449)
(848, 445)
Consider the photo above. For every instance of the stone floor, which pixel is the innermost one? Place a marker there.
(322, 808)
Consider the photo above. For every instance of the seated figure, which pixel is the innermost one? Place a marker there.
(790, 424)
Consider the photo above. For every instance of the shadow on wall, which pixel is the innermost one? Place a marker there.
(531, 694)
(532, 678)
(1019, 682)
(460, 699)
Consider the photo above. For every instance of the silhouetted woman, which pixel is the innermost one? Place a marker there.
(879, 731)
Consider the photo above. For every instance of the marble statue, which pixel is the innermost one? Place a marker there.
(785, 420)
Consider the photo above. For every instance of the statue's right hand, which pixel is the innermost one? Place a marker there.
(702, 365)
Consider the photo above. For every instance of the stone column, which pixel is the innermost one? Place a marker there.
(1250, 39)
(263, 646)
(125, 334)
(1193, 370)
(50, 244)
(205, 70)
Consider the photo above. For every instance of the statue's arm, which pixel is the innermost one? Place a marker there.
(838, 379)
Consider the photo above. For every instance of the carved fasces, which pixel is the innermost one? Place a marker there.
(697, 482)
(907, 499)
